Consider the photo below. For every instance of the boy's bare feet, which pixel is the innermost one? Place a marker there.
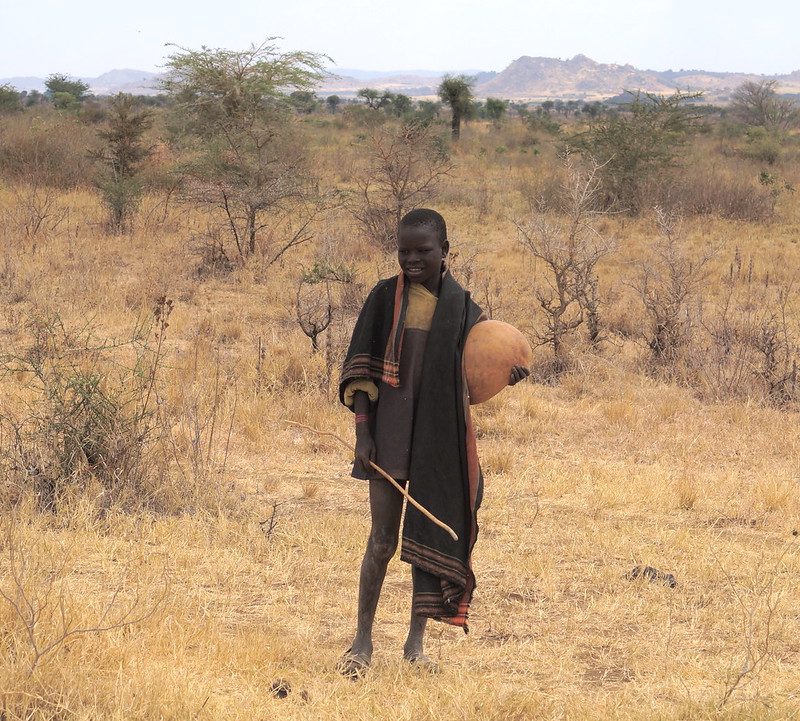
(353, 665)
(422, 662)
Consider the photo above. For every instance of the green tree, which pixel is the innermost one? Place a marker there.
(634, 147)
(65, 92)
(305, 101)
(9, 99)
(333, 101)
(428, 109)
(542, 121)
(370, 96)
(399, 104)
(592, 109)
(34, 97)
(758, 104)
(456, 91)
(122, 153)
(233, 104)
(496, 109)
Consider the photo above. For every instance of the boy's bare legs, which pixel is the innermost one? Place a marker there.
(413, 649)
(416, 634)
(386, 507)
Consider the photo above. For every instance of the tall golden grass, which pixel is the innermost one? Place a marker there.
(227, 589)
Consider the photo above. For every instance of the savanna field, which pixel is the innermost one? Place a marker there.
(173, 548)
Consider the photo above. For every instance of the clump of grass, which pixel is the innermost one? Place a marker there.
(81, 413)
(686, 493)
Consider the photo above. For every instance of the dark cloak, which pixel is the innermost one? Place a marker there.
(444, 474)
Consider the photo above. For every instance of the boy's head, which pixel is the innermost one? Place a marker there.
(428, 217)
(422, 247)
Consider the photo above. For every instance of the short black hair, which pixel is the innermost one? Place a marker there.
(426, 216)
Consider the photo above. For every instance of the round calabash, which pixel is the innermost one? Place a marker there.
(492, 349)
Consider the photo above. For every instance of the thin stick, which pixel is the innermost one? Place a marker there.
(425, 512)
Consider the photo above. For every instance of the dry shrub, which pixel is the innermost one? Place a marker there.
(34, 214)
(623, 316)
(82, 415)
(403, 166)
(90, 420)
(731, 194)
(750, 344)
(51, 151)
(541, 187)
(20, 278)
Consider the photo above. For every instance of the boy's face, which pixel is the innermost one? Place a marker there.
(420, 255)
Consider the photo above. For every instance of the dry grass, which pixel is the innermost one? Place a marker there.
(250, 576)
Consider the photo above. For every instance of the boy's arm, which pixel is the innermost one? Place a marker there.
(365, 445)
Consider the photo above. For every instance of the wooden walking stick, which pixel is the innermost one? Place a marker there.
(424, 511)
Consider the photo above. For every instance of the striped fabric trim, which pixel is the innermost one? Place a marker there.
(384, 368)
(452, 604)
(435, 562)
(431, 605)
(391, 357)
(366, 366)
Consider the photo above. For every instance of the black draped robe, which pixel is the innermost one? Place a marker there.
(444, 474)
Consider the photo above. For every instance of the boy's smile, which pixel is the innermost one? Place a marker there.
(420, 255)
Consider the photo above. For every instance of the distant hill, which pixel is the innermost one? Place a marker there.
(136, 82)
(525, 79)
(580, 78)
(26, 83)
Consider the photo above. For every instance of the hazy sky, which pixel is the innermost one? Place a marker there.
(88, 37)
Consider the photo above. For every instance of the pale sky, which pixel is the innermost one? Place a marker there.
(85, 38)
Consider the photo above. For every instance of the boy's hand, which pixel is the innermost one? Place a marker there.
(518, 373)
(365, 447)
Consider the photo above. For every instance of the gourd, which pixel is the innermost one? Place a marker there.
(492, 349)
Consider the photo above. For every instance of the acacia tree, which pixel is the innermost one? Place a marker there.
(758, 104)
(65, 92)
(635, 146)
(398, 105)
(456, 91)
(371, 97)
(234, 104)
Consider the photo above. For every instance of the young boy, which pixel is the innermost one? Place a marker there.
(403, 379)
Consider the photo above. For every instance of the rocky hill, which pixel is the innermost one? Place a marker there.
(580, 78)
